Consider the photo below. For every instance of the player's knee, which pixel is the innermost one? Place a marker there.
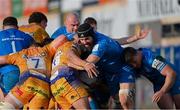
(6, 105)
(126, 96)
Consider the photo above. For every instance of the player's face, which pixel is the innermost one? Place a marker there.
(136, 61)
(87, 42)
(72, 25)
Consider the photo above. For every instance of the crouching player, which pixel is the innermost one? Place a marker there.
(35, 68)
(66, 88)
(165, 79)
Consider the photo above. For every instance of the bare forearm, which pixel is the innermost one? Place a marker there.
(169, 81)
(127, 40)
(75, 66)
(3, 60)
(73, 58)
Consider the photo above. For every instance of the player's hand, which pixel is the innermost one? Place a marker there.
(143, 34)
(140, 35)
(91, 70)
(157, 96)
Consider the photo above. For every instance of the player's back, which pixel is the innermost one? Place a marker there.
(109, 52)
(11, 41)
(34, 58)
(60, 57)
(36, 31)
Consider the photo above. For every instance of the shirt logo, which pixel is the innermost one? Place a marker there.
(95, 48)
(82, 35)
(158, 64)
(130, 77)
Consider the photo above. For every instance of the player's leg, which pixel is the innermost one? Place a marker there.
(127, 87)
(23, 92)
(53, 105)
(127, 95)
(166, 102)
(9, 80)
(114, 102)
(176, 99)
(39, 102)
(81, 103)
(10, 102)
(175, 91)
(1, 95)
(68, 91)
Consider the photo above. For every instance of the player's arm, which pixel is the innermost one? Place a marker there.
(3, 60)
(93, 58)
(139, 34)
(70, 64)
(160, 64)
(58, 41)
(76, 60)
(170, 75)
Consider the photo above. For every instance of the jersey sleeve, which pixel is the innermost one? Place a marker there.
(59, 31)
(70, 36)
(100, 48)
(50, 49)
(12, 58)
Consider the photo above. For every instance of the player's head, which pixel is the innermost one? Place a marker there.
(10, 22)
(132, 56)
(92, 22)
(72, 22)
(86, 35)
(39, 18)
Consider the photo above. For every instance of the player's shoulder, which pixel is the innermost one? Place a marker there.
(29, 27)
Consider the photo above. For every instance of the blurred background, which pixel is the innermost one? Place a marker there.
(116, 18)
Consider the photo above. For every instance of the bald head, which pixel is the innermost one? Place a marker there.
(72, 22)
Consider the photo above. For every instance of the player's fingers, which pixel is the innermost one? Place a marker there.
(156, 99)
(95, 72)
(89, 74)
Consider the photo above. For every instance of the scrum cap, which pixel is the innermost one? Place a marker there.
(85, 30)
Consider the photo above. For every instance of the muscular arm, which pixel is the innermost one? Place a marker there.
(3, 60)
(59, 41)
(170, 75)
(73, 58)
(141, 35)
(76, 61)
(93, 59)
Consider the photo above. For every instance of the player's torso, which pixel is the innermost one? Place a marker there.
(37, 59)
(11, 41)
(147, 70)
(60, 57)
(36, 31)
(109, 52)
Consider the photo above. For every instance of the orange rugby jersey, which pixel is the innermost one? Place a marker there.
(61, 58)
(33, 58)
(36, 31)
